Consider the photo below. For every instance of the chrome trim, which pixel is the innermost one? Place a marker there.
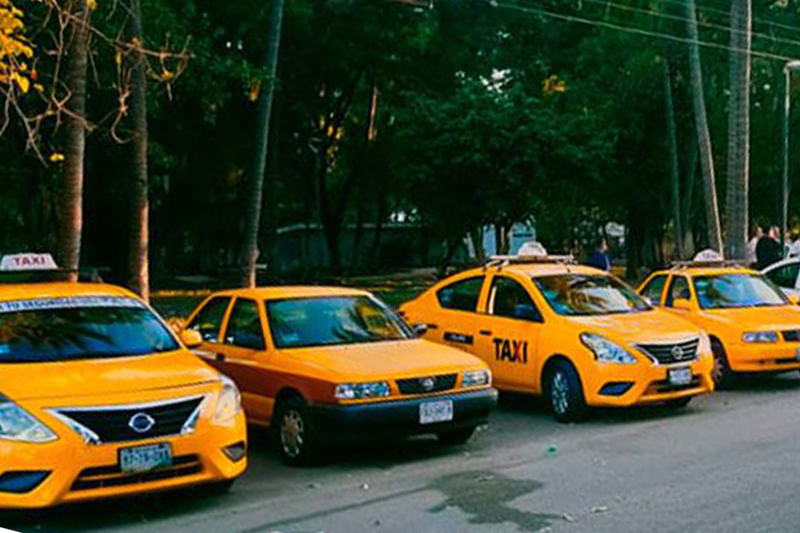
(90, 437)
(654, 359)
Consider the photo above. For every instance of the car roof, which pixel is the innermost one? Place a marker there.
(707, 270)
(291, 291)
(545, 269)
(783, 262)
(27, 291)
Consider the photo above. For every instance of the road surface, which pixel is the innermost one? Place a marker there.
(729, 463)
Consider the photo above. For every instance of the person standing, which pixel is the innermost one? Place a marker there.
(755, 236)
(769, 251)
(599, 258)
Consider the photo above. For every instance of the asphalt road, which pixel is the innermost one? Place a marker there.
(729, 463)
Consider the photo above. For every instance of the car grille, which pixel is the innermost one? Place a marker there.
(111, 476)
(113, 424)
(427, 385)
(791, 335)
(666, 354)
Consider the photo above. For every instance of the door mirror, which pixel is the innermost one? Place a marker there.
(191, 338)
(682, 304)
(420, 329)
(527, 312)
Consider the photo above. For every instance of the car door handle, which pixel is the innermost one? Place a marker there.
(220, 357)
(486, 332)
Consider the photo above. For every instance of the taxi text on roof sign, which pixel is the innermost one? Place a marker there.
(27, 262)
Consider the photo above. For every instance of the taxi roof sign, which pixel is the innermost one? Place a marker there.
(707, 258)
(28, 263)
(530, 253)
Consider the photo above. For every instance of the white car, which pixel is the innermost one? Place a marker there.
(786, 275)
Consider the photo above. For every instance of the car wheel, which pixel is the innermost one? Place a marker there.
(722, 375)
(456, 437)
(297, 440)
(565, 393)
(679, 403)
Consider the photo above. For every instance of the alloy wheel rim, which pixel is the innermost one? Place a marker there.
(719, 369)
(560, 392)
(292, 433)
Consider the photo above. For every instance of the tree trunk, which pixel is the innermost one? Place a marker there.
(255, 184)
(703, 134)
(674, 171)
(138, 262)
(739, 131)
(70, 201)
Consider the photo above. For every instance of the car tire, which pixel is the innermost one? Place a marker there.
(297, 441)
(679, 403)
(722, 374)
(565, 393)
(456, 437)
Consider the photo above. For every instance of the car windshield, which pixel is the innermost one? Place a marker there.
(730, 291)
(300, 323)
(584, 295)
(69, 329)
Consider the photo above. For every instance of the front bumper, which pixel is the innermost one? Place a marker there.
(78, 471)
(647, 383)
(402, 417)
(780, 357)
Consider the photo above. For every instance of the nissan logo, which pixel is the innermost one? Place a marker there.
(141, 422)
(677, 353)
(428, 384)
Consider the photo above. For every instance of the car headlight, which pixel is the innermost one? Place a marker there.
(760, 337)
(229, 403)
(605, 350)
(359, 391)
(18, 424)
(476, 378)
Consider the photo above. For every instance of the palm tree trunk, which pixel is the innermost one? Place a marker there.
(674, 164)
(703, 134)
(70, 201)
(138, 265)
(739, 131)
(255, 185)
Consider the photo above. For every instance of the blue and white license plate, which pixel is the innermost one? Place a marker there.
(433, 412)
(680, 377)
(145, 458)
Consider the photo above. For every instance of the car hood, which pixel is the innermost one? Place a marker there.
(785, 317)
(104, 377)
(385, 360)
(654, 326)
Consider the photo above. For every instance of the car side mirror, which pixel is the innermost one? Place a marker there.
(420, 329)
(682, 304)
(793, 299)
(527, 312)
(191, 338)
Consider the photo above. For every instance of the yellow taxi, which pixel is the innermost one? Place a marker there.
(575, 334)
(753, 325)
(324, 364)
(98, 398)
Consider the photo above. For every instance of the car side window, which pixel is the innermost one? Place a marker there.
(678, 289)
(508, 298)
(786, 276)
(244, 326)
(462, 295)
(208, 321)
(654, 289)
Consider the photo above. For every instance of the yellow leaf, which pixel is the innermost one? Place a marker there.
(166, 75)
(91, 5)
(56, 157)
(22, 82)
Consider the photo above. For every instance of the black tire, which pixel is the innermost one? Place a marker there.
(679, 403)
(296, 436)
(565, 393)
(723, 376)
(456, 437)
(219, 488)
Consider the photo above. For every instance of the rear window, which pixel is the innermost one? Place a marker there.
(70, 329)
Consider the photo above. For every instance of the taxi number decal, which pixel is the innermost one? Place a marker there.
(16, 306)
(458, 337)
(511, 351)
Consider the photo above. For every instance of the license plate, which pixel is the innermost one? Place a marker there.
(680, 376)
(432, 412)
(145, 458)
